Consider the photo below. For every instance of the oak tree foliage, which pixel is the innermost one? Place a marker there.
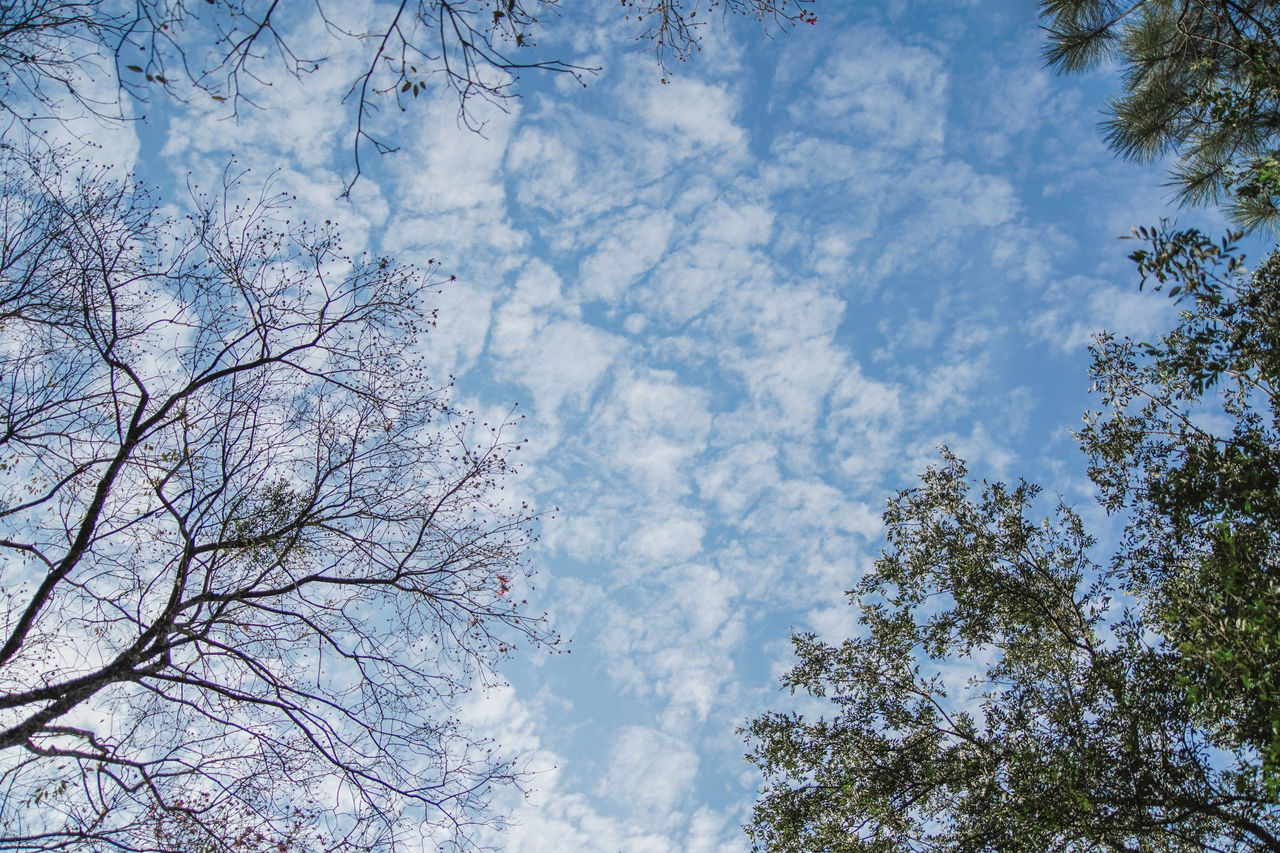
(1004, 695)
(1188, 445)
(1012, 690)
(251, 555)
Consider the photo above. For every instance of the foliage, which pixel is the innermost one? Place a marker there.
(1005, 695)
(1129, 706)
(250, 554)
(1201, 78)
(226, 49)
(1189, 446)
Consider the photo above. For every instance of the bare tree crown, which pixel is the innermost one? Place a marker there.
(250, 554)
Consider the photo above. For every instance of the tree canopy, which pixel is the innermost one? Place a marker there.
(252, 554)
(1188, 445)
(1010, 690)
(1004, 696)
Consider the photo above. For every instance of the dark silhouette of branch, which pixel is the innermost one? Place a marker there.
(251, 556)
(53, 51)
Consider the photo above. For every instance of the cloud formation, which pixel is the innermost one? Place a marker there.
(741, 309)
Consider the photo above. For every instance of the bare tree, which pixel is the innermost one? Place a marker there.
(250, 556)
(52, 51)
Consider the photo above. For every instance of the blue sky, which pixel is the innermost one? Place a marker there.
(738, 310)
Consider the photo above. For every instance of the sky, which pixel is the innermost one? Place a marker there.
(738, 311)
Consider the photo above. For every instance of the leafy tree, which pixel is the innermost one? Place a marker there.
(1006, 694)
(250, 554)
(1201, 78)
(1189, 447)
(224, 49)
(1131, 705)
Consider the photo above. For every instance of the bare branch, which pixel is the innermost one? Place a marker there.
(279, 555)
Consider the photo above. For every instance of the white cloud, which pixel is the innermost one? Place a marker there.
(707, 832)
(834, 623)
(692, 114)
(947, 388)
(650, 428)
(545, 170)
(668, 541)
(740, 476)
(651, 772)
(1079, 307)
(556, 359)
(632, 245)
(878, 89)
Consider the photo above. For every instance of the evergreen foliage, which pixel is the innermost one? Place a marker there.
(1201, 80)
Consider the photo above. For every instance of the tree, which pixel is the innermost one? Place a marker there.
(1189, 446)
(1128, 705)
(51, 50)
(251, 556)
(1201, 79)
(1073, 735)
